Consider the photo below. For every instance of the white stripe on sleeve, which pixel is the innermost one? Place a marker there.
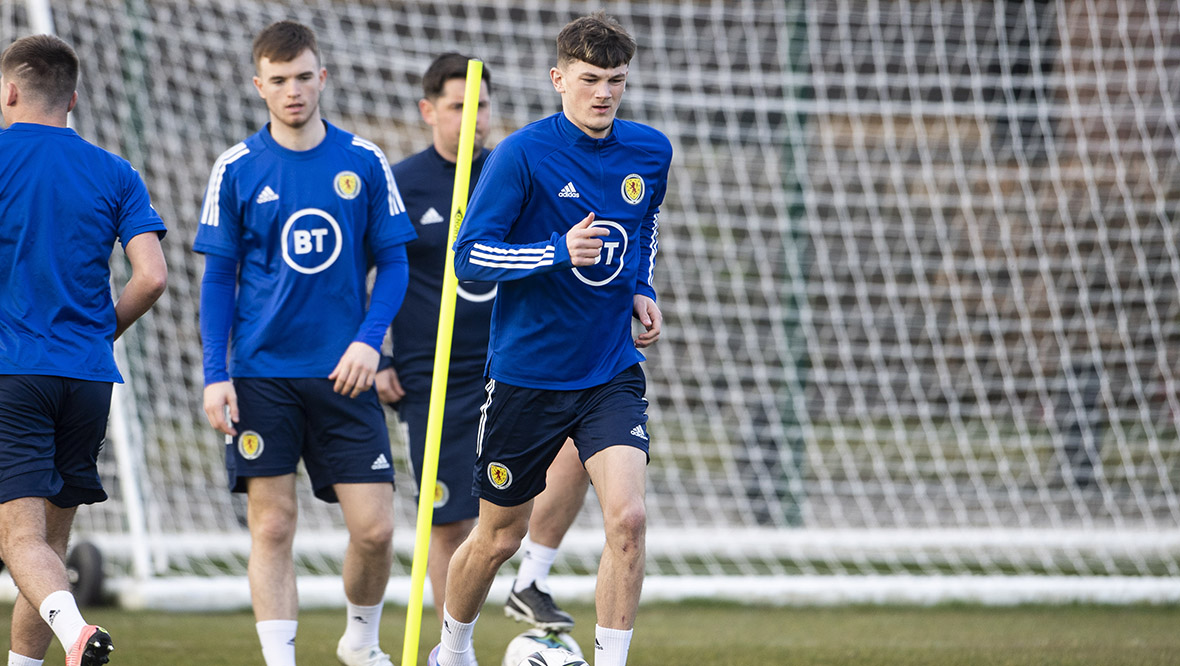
(211, 215)
(395, 197)
(518, 258)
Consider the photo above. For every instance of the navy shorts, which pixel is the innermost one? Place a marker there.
(51, 432)
(341, 439)
(453, 500)
(523, 429)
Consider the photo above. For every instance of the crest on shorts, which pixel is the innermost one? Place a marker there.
(499, 475)
(347, 184)
(250, 445)
(633, 188)
(442, 494)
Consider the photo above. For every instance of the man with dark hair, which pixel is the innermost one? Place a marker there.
(562, 361)
(63, 205)
(426, 180)
(292, 217)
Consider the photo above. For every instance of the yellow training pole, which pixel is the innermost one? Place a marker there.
(442, 364)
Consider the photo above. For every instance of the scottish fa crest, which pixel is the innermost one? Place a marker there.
(499, 475)
(633, 188)
(250, 445)
(347, 185)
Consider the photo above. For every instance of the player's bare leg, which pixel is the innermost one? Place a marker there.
(444, 541)
(31, 636)
(619, 474)
(368, 515)
(495, 538)
(272, 515)
(27, 528)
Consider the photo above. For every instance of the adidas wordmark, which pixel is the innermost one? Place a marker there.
(568, 192)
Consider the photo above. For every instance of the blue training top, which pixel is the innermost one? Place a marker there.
(304, 226)
(555, 326)
(426, 181)
(63, 204)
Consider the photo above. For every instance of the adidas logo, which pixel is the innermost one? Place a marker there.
(568, 192)
(637, 431)
(52, 615)
(267, 195)
(380, 463)
(431, 216)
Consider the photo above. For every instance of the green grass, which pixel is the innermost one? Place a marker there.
(710, 633)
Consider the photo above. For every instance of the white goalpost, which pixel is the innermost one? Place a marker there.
(918, 267)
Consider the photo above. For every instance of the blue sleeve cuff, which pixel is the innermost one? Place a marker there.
(561, 251)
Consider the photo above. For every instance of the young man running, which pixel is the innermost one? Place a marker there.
(565, 219)
(426, 180)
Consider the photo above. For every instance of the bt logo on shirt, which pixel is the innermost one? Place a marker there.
(311, 240)
(610, 257)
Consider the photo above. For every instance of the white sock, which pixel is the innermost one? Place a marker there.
(611, 646)
(363, 628)
(535, 567)
(60, 612)
(278, 641)
(15, 659)
(456, 640)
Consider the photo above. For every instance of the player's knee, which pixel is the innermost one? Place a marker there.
(274, 528)
(627, 525)
(504, 548)
(376, 537)
(501, 544)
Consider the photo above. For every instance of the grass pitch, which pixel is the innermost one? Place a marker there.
(702, 633)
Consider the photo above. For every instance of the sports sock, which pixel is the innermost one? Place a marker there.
(278, 641)
(60, 612)
(535, 567)
(456, 640)
(15, 659)
(363, 627)
(611, 646)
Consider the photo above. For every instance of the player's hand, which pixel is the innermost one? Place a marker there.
(648, 314)
(221, 399)
(355, 372)
(389, 389)
(584, 243)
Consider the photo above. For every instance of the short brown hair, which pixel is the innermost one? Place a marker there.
(444, 68)
(283, 41)
(597, 39)
(45, 67)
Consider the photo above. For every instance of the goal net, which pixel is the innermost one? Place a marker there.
(919, 273)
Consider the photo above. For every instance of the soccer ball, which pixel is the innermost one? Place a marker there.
(553, 657)
(535, 640)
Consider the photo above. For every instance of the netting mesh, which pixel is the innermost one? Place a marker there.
(919, 264)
